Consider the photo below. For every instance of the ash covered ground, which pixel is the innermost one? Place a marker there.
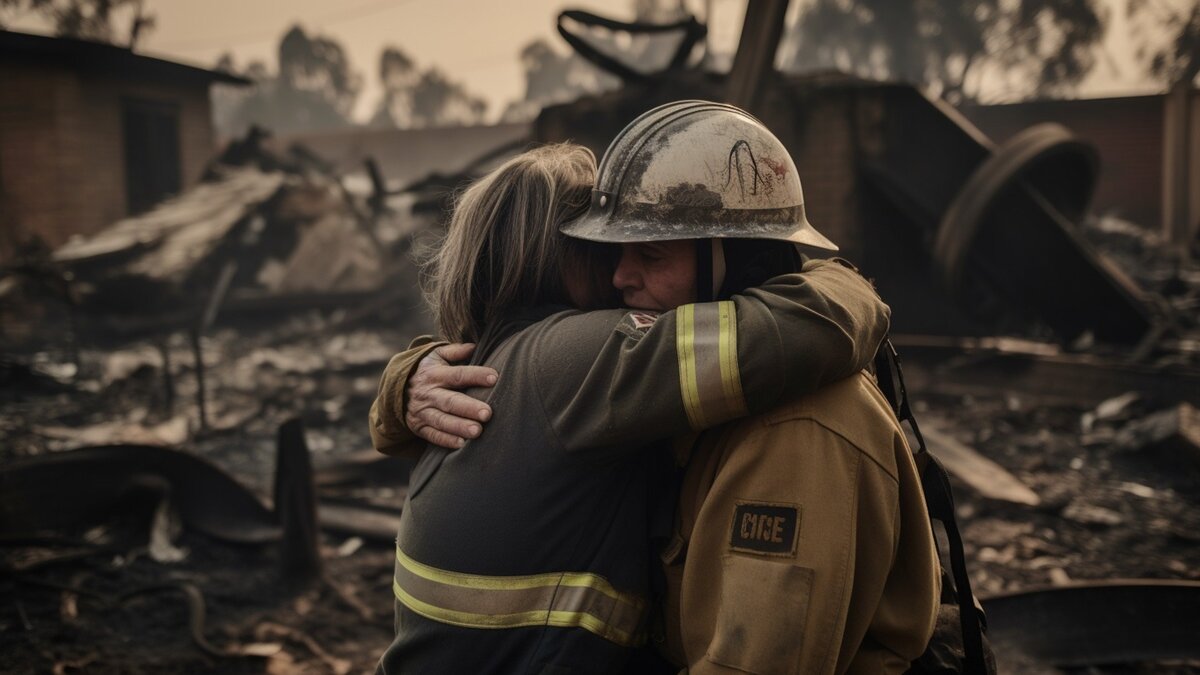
(104, 600)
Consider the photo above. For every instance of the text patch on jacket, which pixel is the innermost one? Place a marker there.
(762, 527)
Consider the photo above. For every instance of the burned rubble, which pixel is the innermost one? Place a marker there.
(1073, 463)
(139, 449)
(186, 480)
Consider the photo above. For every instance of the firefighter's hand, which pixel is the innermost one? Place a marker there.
(434, 411)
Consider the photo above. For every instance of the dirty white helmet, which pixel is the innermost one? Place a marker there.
(696, 170)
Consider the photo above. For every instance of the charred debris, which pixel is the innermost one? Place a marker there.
(185, 479)
(184, 395)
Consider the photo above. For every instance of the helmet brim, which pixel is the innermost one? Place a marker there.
(598, 227)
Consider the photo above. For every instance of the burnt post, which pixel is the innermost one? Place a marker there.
(379, 192)
(755, 58)
(253, 228)
(198, 358)
(1179, 162)
(296, 507)
(164, 350)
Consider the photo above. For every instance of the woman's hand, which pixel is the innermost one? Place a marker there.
(434, 410)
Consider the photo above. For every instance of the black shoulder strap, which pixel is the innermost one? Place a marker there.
(693, 32)
(939, 499)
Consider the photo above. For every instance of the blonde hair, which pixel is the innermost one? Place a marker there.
(502, 248)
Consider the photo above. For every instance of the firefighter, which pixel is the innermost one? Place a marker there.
(525, 550)
(801, 542)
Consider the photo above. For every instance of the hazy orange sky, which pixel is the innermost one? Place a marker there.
(474, 41)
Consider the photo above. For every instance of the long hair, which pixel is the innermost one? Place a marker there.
(503, 249)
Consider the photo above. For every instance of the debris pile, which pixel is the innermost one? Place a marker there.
(247, 232)
(121, 540)
(188, 470)
(137, 454)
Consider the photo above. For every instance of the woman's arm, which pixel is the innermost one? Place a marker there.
(401, 422)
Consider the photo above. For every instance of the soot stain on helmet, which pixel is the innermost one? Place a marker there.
(636, 161)
(692, 195)
(679, 203)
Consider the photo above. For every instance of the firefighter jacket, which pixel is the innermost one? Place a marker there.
(803, 543)
(525, 551)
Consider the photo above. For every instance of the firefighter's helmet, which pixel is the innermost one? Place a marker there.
(696, 170)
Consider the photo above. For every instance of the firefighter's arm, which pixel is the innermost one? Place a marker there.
(415, 405)
(655, 376)
(825, 330)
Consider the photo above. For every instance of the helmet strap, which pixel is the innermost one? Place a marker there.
(704, 270)
(710, 269)
(718, 267)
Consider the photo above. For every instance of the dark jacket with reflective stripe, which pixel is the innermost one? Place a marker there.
(560, 481)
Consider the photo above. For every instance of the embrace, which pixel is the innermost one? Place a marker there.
(665, 454)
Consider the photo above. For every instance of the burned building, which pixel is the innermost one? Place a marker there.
(90, 133)
(185, 484)
(1149, 148)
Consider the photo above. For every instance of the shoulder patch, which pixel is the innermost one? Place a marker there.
(642, 320)
(635, 324)
(765, 527)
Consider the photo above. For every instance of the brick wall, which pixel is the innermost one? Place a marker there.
(29, 142)
(818, 133)
(1127, 132)
(62, 168)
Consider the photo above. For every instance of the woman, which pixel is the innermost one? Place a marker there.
(526, 550)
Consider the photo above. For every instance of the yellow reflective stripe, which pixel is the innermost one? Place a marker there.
(566, 599)
(685, 348)
(709, 379)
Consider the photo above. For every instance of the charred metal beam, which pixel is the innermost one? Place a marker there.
(1095, 623)
(366, 468)
(1013, 222)
(1002, 218)
(983, 475)
(68, 491)
(692, 32)
(352, 518)
(71, 491)
(1042, 371)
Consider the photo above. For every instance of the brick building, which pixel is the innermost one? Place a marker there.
(90, 133)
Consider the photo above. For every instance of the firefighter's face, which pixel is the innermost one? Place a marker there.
(658, 275)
